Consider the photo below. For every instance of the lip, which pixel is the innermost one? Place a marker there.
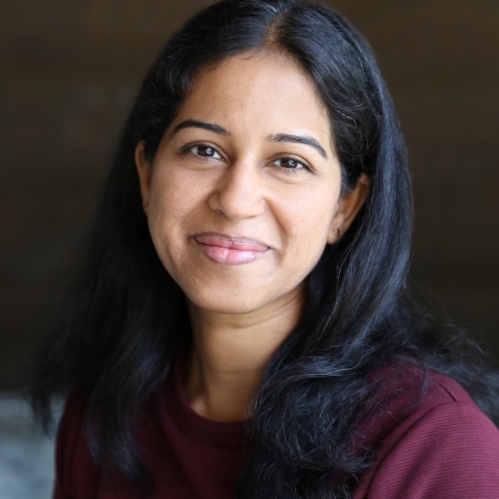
(228, 250)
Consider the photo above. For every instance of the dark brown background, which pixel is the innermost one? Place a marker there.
(70, 70)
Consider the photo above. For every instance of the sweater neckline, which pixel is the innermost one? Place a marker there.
(193, 425)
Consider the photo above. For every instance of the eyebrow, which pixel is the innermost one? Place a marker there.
(200, 124)
(280, 137)
(299, 139)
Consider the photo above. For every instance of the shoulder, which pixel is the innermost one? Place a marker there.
(78, 476)
(75, 468)
(443, 447)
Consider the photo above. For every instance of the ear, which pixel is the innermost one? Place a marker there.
(349, 206)
(144, 171)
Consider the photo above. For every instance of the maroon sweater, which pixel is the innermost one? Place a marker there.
(445, 448)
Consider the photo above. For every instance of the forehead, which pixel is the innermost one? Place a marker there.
(260, 90)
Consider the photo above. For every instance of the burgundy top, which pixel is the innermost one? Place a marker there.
(445, 448)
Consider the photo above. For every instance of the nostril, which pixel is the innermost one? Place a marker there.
(239, 194)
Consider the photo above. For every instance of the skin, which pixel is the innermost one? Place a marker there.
(245, 181)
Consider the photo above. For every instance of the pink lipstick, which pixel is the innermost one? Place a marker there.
(230, 250)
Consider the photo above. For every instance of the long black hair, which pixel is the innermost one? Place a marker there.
(125, 320)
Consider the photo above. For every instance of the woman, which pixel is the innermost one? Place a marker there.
(243, 325)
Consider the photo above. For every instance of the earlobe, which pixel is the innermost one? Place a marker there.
(144, 172)
(350, 205)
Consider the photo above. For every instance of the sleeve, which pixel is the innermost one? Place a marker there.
(452, 452)
(68, 434)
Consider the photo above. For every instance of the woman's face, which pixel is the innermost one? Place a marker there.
(243, 193)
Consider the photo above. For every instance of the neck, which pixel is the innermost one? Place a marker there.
(230, 353)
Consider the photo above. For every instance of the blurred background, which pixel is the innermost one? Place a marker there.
(70, 70)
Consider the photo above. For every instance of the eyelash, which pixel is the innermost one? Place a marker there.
(293, 171)
(190, 149)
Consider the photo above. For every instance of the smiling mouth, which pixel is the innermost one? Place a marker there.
(227, 250)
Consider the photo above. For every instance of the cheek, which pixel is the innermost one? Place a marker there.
(170, 202)
(311, 215)
(175, 195)
(306, 222)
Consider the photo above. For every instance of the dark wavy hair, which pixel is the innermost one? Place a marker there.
(125, 320)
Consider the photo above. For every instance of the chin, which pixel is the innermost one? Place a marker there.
(221, 303)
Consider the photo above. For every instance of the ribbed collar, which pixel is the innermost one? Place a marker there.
(192, 424)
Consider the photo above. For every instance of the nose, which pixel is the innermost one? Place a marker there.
(239, 192)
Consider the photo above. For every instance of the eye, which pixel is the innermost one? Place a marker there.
(290, 164)
(205, 152)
